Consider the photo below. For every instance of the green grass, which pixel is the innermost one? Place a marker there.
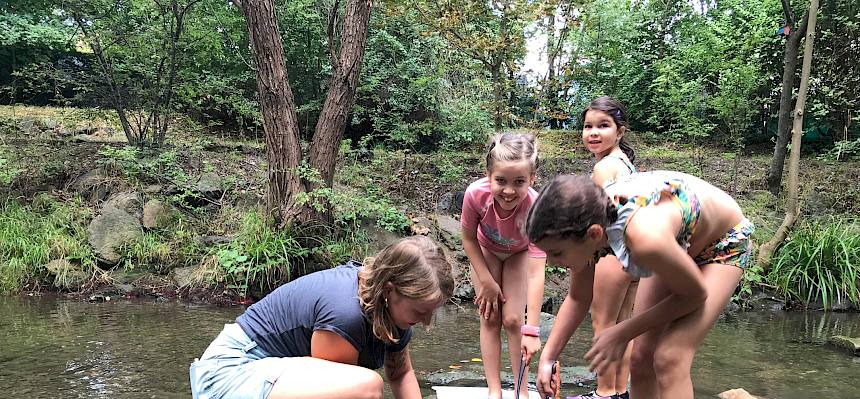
(260, 257)
(32, 235)
(820, 261)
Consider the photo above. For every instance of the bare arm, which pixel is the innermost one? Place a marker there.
(569, 317)
(535, 277)
(330, 346)
(401, 376)
(489, 293)
(651, 241)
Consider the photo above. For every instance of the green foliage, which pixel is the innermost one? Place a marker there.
(820, 261)
(7, 172)
(261, 257)
(842, 151)
(146, 165)
(32, 235)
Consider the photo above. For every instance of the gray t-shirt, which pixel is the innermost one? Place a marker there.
(282, 323)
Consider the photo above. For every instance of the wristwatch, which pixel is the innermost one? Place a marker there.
(531, 331)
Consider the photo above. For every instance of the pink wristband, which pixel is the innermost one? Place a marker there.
(531, 331)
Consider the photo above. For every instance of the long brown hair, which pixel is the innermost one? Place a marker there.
(418, 269)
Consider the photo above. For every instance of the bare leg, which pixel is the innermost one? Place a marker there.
(623, 374)
(491, 341)
(514, 286)
(610, 288)
(643, 379)
(675, 350)
(311, 378)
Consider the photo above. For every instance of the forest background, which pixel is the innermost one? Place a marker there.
(265, 160)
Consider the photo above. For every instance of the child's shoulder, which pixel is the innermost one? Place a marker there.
(610, 165)
(480, 185)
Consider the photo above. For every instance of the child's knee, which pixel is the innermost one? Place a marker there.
(671, 361)
(642, 358)
(512, 321)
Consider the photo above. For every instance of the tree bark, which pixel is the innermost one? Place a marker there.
(792, 45)
(280, 123)
(340, 95)
(766, 250)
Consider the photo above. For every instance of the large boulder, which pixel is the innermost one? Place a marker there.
(110, 230)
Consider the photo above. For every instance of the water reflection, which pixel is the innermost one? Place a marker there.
(57, 348)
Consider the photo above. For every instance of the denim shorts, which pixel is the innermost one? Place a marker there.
(234, 367)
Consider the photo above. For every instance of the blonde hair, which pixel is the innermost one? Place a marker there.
(512, 147)
(418, 269)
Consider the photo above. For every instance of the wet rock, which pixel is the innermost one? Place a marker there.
(444, 202)
(111, 230)
(130, 202)
(67, 276)
(156, 214)
(737, 393)
(851, 344)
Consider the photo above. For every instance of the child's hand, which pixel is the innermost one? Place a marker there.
(530, 346)
(547, 383)
(489, 298)
(607, 347)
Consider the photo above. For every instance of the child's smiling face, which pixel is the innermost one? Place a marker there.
(510, 182)
(600, 134)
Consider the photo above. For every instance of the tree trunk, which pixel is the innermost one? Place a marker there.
(283, 150)
(341, 94)
(766, 250)
(792, 44)
(498, 96)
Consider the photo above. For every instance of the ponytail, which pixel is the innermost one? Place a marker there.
(627, 149)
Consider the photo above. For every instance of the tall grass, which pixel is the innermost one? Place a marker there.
(261, 256)
(820, 261)
(32, 235)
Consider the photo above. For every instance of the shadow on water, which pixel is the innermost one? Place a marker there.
(120, 349)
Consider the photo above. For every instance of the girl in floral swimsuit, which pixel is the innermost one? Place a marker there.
(687, 240)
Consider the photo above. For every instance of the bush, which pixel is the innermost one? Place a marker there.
(820, 261)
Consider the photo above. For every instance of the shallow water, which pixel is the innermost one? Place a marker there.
(54, 348)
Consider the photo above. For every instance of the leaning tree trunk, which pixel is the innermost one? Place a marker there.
(766, 250)
(792, 45)
(283, 150)
(340, 95)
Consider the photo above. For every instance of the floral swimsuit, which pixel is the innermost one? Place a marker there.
(732, 249)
